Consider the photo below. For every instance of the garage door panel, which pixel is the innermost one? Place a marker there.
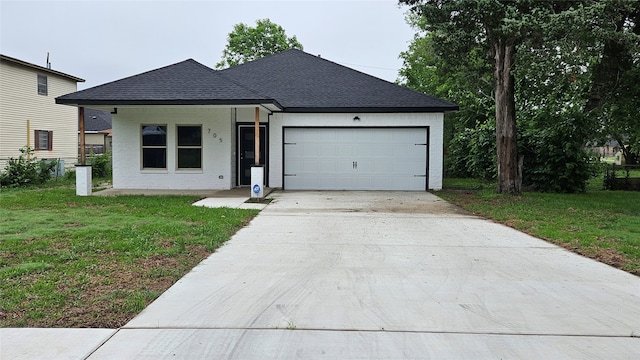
(345, 136)
(355, 158)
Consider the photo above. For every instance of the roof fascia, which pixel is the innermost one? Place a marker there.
(39, 68)
(432, 109)
(79, 102)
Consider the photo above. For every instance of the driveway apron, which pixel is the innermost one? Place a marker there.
(386, 275)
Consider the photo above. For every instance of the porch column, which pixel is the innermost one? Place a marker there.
(83, 155)
(83, 172)
(257, 171)
(256, 142)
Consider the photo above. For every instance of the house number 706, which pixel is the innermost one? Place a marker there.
(215, 135)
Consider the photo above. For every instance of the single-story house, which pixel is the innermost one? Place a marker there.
(97, 132)
(322, 126)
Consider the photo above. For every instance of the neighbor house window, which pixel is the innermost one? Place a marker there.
(154, 146)
(189, 147)
(43, 140)
(42, 85)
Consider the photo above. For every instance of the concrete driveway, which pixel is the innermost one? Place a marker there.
(386, 275)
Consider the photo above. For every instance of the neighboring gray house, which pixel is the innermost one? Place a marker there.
(323, 126)
(97, 130)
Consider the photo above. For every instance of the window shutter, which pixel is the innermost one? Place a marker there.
(36, 140)
(50, 140)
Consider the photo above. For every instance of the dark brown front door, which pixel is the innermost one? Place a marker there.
(246, 151)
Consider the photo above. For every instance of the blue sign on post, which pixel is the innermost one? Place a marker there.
(257, 181)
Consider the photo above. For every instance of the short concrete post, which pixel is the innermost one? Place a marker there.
(257, 182)
(83, 180)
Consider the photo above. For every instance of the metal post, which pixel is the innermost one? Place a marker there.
(28, 139)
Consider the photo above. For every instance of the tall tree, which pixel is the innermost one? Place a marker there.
(467, 82)
(246, 43)
(502, 25)
(614, 95)
(575, 70)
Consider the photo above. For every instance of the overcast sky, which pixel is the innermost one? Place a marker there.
(103, 41)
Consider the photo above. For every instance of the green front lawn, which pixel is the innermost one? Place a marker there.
(604, 225)
(68, 261)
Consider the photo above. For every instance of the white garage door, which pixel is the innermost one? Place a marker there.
(355, 158)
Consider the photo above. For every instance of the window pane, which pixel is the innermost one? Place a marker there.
(42, 85)
(154, 158)
(154, 135)
(43, 140)
(189, 135)
(189, 158)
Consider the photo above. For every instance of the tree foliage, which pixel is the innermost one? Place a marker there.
(614, 95)
(100, 165)
(500, 27)
(472, 152)
(246, 43)
(575, 68)
(467, 81)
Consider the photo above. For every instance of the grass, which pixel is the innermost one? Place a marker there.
(604, 225)
(68, 261)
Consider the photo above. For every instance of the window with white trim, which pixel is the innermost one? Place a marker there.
(43, 140)
(154, 146)
(42, 85)
(189, 146)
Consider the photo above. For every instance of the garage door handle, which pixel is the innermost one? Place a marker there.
(355, 164)
(290, 175)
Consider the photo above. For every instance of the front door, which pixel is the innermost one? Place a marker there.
(246, 151)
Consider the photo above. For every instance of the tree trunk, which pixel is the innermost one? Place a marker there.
(509, 178)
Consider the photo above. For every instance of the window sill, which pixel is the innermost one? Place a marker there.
(189, 171)
(154, 171)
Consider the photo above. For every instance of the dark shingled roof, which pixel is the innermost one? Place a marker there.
(96, 120)
(292, 80)
(307, 83)
(185, 83)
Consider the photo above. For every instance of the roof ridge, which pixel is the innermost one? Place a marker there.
(137, 75)
(246, 87)
(344, 67)
(289, 80)
(236, 82)
(371, 76)
(198, 63)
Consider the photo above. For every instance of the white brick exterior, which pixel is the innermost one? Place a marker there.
(220, 143)
(432, 120)
(218, 147)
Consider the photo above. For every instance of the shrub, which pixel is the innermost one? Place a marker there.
(100, 165)
(70, 175)
(555, 159)
(472, 153)
(26, 170)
